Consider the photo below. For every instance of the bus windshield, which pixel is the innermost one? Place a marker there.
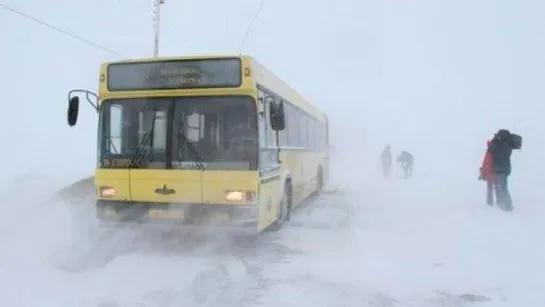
(221, 132)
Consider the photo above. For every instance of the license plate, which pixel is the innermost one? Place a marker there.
(166, 214)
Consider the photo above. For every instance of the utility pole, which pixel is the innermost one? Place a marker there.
(157, 25)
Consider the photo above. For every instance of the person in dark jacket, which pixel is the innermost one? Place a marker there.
(406, 159)
(500, 151)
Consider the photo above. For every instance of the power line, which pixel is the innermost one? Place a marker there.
(251, 25)
(43, 23)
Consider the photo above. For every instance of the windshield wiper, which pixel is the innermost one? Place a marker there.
(141, 150)
(193, 151)
(111, 143)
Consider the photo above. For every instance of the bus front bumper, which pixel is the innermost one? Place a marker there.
(199, 215)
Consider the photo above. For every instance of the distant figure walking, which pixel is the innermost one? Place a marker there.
(407, 161)
(386, 159)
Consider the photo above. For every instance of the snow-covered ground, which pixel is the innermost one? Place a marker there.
(436, 78)
(394, 243)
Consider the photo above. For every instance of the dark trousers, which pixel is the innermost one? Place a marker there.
(408, 170)
(490, 193)
(503, 197)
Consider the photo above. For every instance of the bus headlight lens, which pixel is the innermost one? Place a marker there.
(107, 192)
(234, 196)
(240, 196)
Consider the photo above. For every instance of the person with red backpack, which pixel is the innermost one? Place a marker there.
(499, 150)
(487, 174)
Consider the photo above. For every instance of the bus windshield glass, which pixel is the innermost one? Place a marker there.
(221, 132)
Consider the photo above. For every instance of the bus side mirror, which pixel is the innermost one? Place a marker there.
(276, 114)
(73, 110)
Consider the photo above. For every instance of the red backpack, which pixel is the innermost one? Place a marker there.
(486, 168)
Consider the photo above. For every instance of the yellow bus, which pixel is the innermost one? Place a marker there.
(203, 141)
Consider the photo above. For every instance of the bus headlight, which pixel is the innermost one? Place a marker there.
(240, 196)
(234, 196)
(107, 192)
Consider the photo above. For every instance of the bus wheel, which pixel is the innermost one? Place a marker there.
(285, 208)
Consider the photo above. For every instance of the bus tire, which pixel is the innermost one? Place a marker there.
(319, 180)
(285, 208)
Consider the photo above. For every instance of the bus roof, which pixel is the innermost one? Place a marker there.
(172, 58)
(261, 74)
(268, 79)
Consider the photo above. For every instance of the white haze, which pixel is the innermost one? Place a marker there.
(437, 78)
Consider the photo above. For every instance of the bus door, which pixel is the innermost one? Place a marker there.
(269, 169)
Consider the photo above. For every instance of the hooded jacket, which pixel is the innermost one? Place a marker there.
(487, 171)
(500, 150)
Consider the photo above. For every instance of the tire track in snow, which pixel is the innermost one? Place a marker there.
(237, 279)
(242, 278)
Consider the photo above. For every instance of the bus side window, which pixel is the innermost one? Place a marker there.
(325, 136)
(301, 128)
(312, 134)
(283, 135)
(293, 126)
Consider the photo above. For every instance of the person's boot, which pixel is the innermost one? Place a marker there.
(490, 198)
(508, 206)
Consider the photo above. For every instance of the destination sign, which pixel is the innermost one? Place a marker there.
(177, 74)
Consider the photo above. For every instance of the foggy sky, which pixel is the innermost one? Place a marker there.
(434, 77)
